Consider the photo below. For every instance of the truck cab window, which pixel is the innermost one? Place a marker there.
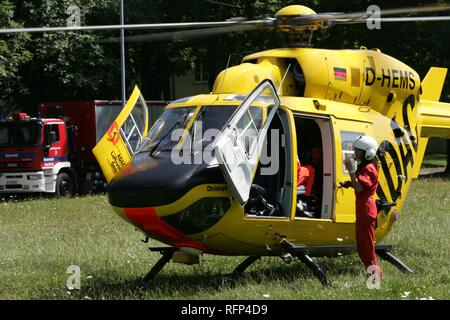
(14, 135)
(51, 130)
(4, 139)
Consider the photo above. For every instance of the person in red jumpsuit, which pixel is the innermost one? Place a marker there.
(305, 177)
(365, 182)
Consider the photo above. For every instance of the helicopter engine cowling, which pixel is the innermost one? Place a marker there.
(243, 78)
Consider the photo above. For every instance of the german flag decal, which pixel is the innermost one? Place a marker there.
(340, 74)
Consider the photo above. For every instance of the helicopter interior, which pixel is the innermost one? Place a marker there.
(309, 153)
(314, 149)
(271, 194)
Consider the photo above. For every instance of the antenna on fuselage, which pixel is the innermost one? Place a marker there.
(224, 74)
(282, 80)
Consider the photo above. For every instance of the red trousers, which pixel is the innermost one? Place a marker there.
(365, 237)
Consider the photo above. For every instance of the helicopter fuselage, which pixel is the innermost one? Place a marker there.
(343, 94)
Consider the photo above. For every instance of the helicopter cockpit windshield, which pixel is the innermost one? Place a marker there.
(159, 136)
(208, 123)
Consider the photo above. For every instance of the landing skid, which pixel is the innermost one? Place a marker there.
(301, 256)
(167, 253)
(244, 265)
(383, 251)
(311, 264)
(389, 257)
(301, 252)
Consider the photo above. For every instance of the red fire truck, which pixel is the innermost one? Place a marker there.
(51, 153)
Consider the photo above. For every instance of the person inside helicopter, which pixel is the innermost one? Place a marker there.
(306, 175)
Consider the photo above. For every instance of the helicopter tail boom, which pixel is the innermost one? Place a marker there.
(434, 119)
(433, 116)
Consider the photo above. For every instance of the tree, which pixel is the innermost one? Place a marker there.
(13, 55)
(67, 65)
(86, 65)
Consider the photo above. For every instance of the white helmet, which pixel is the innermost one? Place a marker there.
(367, 144)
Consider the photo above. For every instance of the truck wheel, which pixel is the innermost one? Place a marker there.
(64, 185)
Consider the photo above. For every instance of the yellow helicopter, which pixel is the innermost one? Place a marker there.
(315, 100)
(217, 173)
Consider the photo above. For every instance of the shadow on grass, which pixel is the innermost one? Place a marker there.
(439, 175)
(18, 197)
(267, 272)
(185, 285)
(432, 166)
(24, 197)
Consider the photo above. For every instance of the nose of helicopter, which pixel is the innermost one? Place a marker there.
(147, 183)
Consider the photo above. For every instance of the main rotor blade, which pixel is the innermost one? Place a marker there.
(390, 12)
(414, 19)
(149, 26)
(325, 18)
(394, 19)
(185, 34)
(303, 21)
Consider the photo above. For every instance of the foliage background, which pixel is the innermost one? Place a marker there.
(85, 65)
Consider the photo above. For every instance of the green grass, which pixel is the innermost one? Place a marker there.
(434, 161)
(39, 239)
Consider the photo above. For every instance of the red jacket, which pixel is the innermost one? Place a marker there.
(367, 176)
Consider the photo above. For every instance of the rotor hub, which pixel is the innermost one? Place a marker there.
(294, 10)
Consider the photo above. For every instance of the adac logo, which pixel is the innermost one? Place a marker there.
(113, 133)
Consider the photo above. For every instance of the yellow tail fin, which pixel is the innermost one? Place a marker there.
(433, 116)
(433, 83)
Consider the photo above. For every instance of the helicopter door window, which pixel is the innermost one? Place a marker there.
(135, 125)
(247, 132)
(347, 139)
(240, 143)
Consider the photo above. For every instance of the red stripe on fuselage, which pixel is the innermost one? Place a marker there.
(340, 73)
(148, 221)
